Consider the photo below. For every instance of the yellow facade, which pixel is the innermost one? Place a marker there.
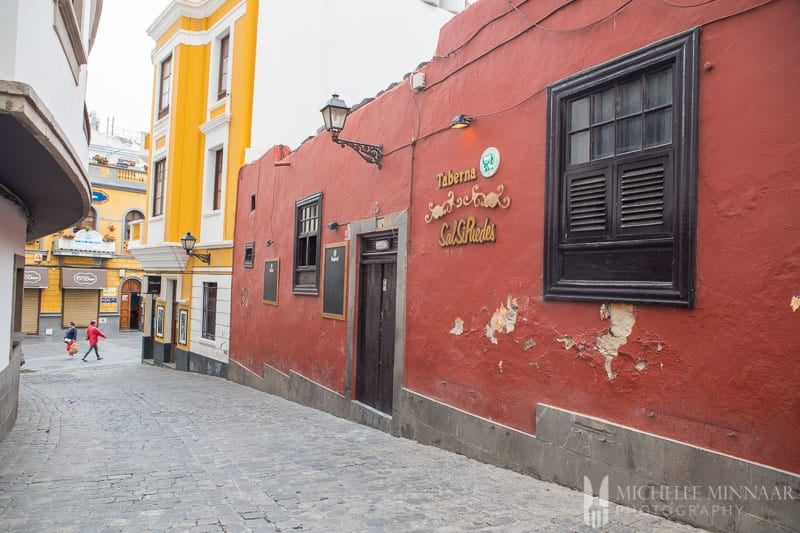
(204, 127)
(117, 192)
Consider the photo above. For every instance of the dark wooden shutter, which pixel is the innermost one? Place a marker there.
(587, 212)
(644, 198)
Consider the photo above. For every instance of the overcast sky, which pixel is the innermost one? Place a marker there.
(120, 72)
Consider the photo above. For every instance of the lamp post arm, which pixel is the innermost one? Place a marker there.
(369, 152)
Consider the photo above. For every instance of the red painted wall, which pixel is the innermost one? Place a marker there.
(723, 375)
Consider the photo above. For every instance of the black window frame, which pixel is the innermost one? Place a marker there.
(249, 254)
(209, 322)
(307, 246)
(654, 265)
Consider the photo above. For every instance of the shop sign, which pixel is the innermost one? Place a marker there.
(467, 230)
(83, 278)
(36, 278)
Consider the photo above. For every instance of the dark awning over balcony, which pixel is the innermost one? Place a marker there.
(39, 165)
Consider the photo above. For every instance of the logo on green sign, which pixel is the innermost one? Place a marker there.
(490, 162)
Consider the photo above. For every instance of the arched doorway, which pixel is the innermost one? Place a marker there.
(130, 305)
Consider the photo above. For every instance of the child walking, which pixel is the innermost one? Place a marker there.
(71, 338)
(93, 334)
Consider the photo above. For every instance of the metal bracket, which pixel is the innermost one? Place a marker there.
(369, 152)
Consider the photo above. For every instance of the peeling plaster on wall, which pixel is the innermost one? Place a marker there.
(569, 342)
(795, 303)
(503, 320)
(530, 343)
(622, 321)
(500, 367)
(458, 327)
(244, 302)
(640, 365)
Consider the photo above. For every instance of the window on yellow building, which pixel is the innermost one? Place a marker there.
(158, 188)
(131, 217)
(164, 90)
(222, 77)
(90, 221)
(217, 201)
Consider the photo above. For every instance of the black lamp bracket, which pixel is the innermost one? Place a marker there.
(369, 152)
(205, 258)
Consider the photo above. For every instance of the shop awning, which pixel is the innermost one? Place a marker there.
(83, 278)
(36, 278)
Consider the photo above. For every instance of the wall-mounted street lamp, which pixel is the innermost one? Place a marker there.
(335, 114)
(188, 241)
(461, 121)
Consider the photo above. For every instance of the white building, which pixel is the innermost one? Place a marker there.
(310, 49)
(44, 184)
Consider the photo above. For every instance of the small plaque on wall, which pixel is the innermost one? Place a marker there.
(334, 280)
(271, 270)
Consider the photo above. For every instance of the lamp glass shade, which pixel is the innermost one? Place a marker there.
(188, 241)
(460, 121)
(335, 114)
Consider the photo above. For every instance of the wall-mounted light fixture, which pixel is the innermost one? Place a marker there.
(333, 225)
(188, 241)
(461, 121)
(335, 114)
(269, 242)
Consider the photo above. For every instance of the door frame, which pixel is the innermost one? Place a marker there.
(365, 381)
(397, 222)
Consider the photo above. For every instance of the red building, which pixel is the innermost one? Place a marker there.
(593, 278)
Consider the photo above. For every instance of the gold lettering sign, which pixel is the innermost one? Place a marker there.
(488, 200)
(450, 178)
(466, 231)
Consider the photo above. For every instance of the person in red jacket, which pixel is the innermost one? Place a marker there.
(93, 334)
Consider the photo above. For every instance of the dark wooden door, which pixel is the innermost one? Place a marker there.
(375, 361)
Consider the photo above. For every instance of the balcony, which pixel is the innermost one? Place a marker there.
(85, 244)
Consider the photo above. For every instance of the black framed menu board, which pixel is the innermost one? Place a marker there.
(334, 276)
(271, 270)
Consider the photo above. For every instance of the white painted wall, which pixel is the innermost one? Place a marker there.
(31, 53)
(355, 48)
(216, 349)
(12, 241)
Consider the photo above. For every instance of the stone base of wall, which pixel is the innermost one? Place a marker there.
(644, 471)
(9, 390)
(204, 365)
(298, 388)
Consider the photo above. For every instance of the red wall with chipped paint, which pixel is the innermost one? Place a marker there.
(723, 375)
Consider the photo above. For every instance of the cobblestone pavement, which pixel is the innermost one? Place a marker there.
(116, 445)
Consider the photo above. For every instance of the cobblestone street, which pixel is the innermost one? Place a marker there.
(116, 445)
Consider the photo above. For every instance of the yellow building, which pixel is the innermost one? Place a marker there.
(202, 108)
(85, 272)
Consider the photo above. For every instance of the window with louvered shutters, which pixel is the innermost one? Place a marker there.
(308, 214)
(621, 182)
